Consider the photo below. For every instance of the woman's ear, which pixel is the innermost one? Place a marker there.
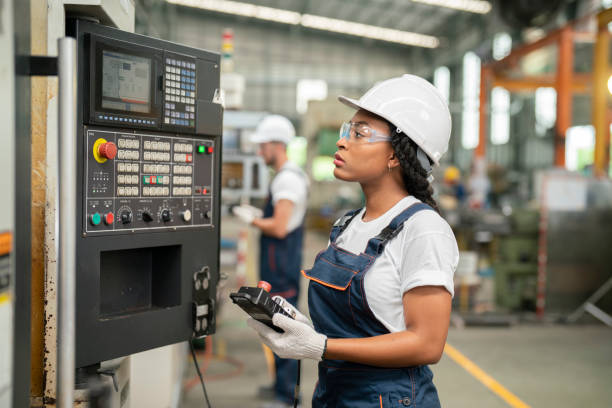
(393, 161)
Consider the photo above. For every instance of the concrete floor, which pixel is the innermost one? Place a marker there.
(542, 365)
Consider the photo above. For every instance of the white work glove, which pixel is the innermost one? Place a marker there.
(299, 340)
(292, 310)
(247, 213)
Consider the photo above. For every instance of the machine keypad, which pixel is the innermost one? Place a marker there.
(180, 93)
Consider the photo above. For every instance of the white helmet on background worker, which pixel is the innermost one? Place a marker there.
(274, 128)
(415, 107)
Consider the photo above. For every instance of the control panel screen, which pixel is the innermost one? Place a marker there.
(126, 82)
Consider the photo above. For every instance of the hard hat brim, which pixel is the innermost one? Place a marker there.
(352, 103)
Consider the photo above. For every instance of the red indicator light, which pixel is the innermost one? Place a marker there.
(209, 150)
(204, 191)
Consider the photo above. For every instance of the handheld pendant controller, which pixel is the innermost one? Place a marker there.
(258, 303)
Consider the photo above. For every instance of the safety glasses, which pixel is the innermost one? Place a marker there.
(361, 133)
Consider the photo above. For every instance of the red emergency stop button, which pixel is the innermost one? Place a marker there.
(109, 218)
(264, 285)
(107, 150)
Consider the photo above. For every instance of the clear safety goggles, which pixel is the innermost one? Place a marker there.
(361, 133)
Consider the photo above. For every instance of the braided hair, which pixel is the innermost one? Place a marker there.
(413, 174)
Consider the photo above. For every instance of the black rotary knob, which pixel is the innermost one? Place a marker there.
(126, 216)
(165, 215)
(146, 216)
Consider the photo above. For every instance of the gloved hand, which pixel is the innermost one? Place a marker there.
(299, 340)
(292, 310)
(247, 213)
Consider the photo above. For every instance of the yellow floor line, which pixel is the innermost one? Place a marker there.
(483, 377)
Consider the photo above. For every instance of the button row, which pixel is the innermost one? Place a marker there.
(178, 191)
(183, 91)
(129, 143)
(156, 191)
(127, 167)
(126, 120)
(151, 145)
(127, 179)
(183, 147)
(127, 191)
(178, 169)
(155, 179)
(181, 122)
(178, 98)
(183, 157)
(155, 156)
(180, 115)
(184, 64)
(181, 180)
(128, 155)
(156, 168)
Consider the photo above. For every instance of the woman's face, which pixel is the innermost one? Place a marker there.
(363, 161)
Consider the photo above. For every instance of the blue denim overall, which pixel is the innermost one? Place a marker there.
(280, 261)
(339, 309)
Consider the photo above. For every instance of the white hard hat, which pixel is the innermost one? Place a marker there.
(274, 128)
(415, 107)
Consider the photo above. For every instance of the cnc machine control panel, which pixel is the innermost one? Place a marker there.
(149, 128)
(142, 182)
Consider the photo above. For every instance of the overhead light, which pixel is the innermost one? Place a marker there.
(312, 21)
(243, 9)
(369, 31)
(473, 6)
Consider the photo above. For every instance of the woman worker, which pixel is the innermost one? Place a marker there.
(380, 295)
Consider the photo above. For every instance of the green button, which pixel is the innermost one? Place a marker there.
(201, 149)
(160, 179)
(145, 180)
(96, 219)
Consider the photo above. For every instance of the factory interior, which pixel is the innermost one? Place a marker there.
(144, 193)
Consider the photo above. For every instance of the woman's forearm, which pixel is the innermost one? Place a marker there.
(402, 349)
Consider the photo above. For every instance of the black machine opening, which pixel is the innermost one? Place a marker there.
(140, 279)
(126, 82)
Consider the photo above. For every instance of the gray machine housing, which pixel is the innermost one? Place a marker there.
(150, 281)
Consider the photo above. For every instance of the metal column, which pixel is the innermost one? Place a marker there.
(66, 225)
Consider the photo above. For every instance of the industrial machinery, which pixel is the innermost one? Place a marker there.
(149, 127)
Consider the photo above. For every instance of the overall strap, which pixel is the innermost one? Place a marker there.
(377, 244)
(341, 224)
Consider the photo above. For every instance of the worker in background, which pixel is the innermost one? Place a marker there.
(380, 295)
(282, 231)
(452, 193)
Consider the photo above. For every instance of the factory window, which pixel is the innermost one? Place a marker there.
(545, 109)
(500, 115)
(579, 147)
(309, 90)
(502, 45)
(471, 101)
(442, 81)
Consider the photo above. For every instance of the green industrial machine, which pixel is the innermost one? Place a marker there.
(516, 263)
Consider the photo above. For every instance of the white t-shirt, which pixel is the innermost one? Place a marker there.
(291, 183)
(424, 253)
